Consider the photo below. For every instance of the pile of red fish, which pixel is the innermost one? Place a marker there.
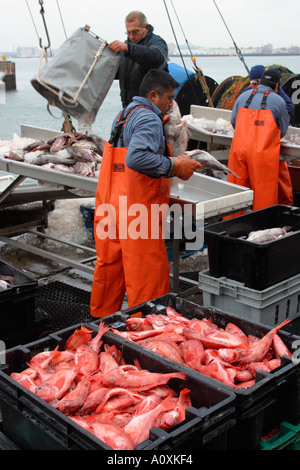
(90, 382)
(228, 355)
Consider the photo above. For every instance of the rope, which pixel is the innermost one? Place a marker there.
(238, 51)
(198, 71)
(61, 19)
(32, 20)
(75, 99)
(176, 40)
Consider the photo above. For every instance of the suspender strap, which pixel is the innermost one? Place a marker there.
(250, 98)
(264, 100)
(117, 132)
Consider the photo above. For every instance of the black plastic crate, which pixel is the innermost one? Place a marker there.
(275, 397)
(17, 303)
(66, 305)
(38, 329)
(258, 265)
(31, 423)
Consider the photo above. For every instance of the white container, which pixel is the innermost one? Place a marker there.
(269, 307)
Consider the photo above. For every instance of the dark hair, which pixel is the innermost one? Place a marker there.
(157, 80)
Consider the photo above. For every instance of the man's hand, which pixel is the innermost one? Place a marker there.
(183, 167)
(118, 46)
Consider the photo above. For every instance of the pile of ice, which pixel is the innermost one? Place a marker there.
(66, 222)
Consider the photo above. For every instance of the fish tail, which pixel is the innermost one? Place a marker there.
(177, 375)
(282, 324)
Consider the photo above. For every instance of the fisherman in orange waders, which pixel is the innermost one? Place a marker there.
(260, 120)
(135, 178)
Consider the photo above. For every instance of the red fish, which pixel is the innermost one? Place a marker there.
(215, 339)
(230, 355)
(96, 342)
(157, 321)
(113, 436)
(279, 347)
(138, 380)
(255, 366)
(164, 348)
(148, 403)
(192, 352)
(134, 397)
(247, 384)
(139, 427)
(234, 329)
(177, 415)
(138, 324)
(243, 375)
(259, 349)
(73, 400)
(137, 335)
(86, 360)
(24, 380)
(202, 326)
(217, 371)
(171, 313)
(62, 356)
(115, 353)
(56, 386)
(92, 400)
(79, 337)
(44, 358)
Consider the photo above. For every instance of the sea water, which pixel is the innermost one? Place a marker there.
(26, 106)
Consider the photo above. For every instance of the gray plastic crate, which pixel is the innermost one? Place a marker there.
(269, 306)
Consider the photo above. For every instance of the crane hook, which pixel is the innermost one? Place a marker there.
(42, 11)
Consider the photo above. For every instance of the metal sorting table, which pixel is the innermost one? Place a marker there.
(208, 200)
(288, 151)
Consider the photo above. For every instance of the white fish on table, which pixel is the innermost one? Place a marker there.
(208, 161)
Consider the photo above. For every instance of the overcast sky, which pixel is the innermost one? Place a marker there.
(251, 22)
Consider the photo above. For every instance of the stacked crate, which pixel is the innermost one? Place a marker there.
(259, 281)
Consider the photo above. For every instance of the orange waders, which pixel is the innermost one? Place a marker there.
(126, 261)
(254, 157)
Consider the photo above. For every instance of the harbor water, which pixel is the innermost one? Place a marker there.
(25, 106)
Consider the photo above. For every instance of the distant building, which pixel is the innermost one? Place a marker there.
(28, 52)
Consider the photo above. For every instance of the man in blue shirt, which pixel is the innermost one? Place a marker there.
(260, 120)
(255, 74)
(135, 178)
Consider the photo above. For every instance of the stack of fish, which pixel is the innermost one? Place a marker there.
(91, 383)
(228, 355)
(69, 152)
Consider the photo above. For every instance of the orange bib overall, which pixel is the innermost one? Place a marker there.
(126, 261)
(254, 157)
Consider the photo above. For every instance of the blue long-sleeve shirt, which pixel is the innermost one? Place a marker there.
(289, 104)
(274, 102)
(144, 137)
